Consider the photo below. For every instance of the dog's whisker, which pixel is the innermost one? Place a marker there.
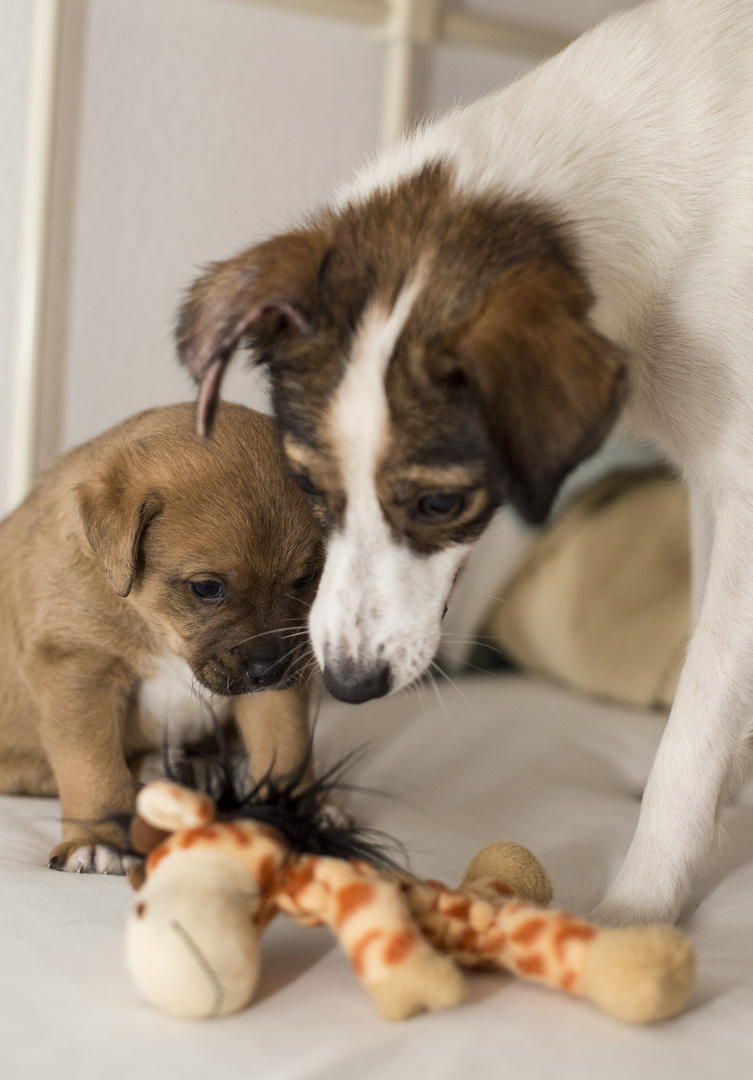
(437, 693)
(265, 633)
(452, 682)
(298, 600)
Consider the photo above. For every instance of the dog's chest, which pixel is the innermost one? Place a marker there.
(172, 707)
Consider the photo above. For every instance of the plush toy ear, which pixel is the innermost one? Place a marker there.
(273, 284)
(549, 385)
(115, 509)
(170, 806)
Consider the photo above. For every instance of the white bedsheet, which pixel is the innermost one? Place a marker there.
(510, 758)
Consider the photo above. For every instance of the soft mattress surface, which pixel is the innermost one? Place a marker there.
(488, 758)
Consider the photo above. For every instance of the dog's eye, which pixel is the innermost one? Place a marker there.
(207, 590)
(440, 505)
(307, 579)
(305, 484)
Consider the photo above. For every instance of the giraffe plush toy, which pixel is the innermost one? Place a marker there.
(208, 887)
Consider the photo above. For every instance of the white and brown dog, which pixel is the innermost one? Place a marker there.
(466, 322)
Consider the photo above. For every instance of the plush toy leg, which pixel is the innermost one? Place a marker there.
(373, 923)
(637, 974)
(640, 973)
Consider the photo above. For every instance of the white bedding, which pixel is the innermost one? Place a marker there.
(502, 757)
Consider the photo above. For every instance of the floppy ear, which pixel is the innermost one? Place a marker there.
(114, 513)
(549, 386)
(272, 286)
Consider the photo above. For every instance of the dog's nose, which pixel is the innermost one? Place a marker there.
(263, 671)
(354, 684)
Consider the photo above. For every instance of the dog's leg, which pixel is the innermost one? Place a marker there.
(82, 704)
(703, 739)
(26, 775)
(701, 517)
(274, 726)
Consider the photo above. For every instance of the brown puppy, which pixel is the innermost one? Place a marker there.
(146, 561)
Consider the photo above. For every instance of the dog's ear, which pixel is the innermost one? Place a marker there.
(549, 385)
(114, 512)
(271, 287)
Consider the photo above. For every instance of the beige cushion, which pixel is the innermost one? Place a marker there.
(602, 600)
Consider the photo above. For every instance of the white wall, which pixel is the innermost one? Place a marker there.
(187, 129)
(15, 35)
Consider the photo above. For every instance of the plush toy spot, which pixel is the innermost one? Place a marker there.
(352, 897)
(528, 931)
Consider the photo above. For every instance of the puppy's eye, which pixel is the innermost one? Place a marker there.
(440, 506)
(207, 591)
(307, 579)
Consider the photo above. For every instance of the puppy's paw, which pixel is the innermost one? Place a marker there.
(81, 858)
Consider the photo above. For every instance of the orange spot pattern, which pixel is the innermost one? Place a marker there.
(570, 931)
(191, 837)
(456, 907)
(157, 856)
(531, 965)
(297, 878)
(397, 948)
(350, 898)
(528, 932)
(238, 834)
(266, 871)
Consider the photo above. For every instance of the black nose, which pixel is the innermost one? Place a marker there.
(353, 683)
(265, 672)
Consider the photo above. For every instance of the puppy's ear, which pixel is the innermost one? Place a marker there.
(271, 287)
(549, 386)
(114, 512)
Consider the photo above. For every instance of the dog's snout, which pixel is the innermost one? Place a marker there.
(354, 683)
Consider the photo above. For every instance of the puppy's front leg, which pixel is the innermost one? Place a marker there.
(82, 708)
(274, 726)
(703, 738)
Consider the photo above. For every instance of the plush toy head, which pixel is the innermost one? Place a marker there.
(192, 941)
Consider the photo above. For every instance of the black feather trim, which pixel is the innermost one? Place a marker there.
(295, 809)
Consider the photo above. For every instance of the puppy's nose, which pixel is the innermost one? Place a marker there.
(263, 671)
(354, 683)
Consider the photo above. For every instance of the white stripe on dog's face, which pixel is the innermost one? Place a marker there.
(380, 603)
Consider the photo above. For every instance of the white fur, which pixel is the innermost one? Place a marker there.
(640, 136)
(94, 859)
(173, 706)
(377, 599)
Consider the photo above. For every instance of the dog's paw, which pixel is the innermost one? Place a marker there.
(81, 858)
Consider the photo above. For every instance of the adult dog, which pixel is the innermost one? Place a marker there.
(146, 565)
(466, 322)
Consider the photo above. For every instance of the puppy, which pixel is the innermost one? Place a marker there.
(147, 565)
(466, 322)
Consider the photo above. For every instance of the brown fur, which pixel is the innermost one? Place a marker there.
(497, 377)
(94, 569)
